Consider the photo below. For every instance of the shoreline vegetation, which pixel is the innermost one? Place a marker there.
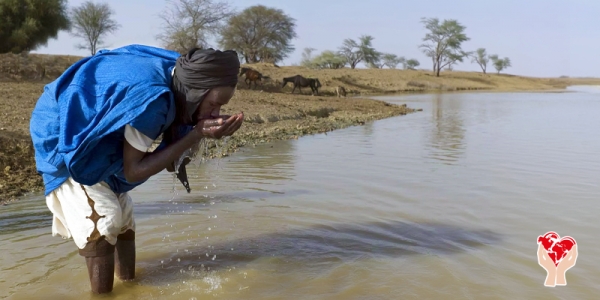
(272, 113)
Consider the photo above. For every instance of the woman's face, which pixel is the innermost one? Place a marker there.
(211, 105)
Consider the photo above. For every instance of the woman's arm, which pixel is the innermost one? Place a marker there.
(138, 165)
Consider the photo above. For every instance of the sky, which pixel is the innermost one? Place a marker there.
(542, 38)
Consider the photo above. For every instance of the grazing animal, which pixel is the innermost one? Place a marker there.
(300, 82)
(340, 91)
(251, 76)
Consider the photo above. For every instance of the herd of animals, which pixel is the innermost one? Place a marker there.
(297, 81)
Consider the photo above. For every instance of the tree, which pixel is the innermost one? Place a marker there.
(91, 22)
(329, 60)
(410, 64)
(376, 62)
(392, 60)
(260, 34)
(307, 57)
(190, 23)
(499, 63)
(27, 25)
(355, 52)
(443, 42)
(480, 57)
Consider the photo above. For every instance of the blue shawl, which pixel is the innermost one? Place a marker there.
(78, 123)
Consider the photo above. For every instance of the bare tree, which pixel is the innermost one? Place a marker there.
(355, 52)
(480, 57)
(91, 22)
(328, 60)
(443, 42)
(190, 23)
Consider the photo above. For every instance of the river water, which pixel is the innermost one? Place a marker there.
(446, 203)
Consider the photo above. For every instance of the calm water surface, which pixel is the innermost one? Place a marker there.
(446, 203)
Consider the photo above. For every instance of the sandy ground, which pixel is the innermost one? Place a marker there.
(272, 112)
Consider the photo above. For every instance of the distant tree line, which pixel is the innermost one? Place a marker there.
(258, 33)
(351, 53)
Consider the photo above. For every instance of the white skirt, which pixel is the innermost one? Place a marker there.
(86, 213)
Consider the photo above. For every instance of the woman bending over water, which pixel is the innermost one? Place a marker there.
(92, 129)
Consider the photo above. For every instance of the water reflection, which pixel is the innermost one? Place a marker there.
(448, 134)
(321, 246)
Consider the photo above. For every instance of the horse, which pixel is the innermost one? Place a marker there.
(251, 76)
(300, 82)
(340, 91)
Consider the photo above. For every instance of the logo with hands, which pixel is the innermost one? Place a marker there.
(556, 255)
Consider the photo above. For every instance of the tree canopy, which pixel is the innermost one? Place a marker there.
(27, 25)
(500, 63)
(357, 52)
(391, 60)
(410, 64)
(260, 34)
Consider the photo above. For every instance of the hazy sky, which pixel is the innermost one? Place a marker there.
(545, 38)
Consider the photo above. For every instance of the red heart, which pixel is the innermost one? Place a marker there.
(556, 247)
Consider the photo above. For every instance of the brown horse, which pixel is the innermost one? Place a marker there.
(251, 76)
(300, 82)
